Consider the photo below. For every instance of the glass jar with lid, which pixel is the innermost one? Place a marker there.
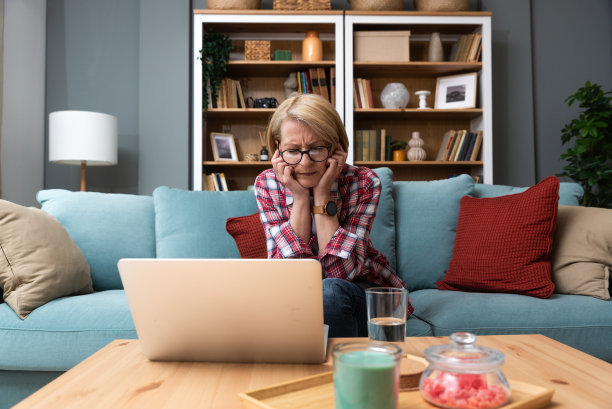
(464, 375)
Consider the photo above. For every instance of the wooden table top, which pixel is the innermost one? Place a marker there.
(119, 376)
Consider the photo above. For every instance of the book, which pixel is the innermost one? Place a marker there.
(365, 146)
(314, 81)
(323, 88)
(372, 136)
(459, 138)
(387, 147)
(355, 97)
(359, 98)
(223, 181)
(358, 145)
(443, 145)
(468, 154)
(383, 136)
(465, 144)
(477, 145)
(451, 142)
(368, 90)
(362, 100)
(241, 95)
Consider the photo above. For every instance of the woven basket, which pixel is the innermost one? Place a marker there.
(442, 5)
(233, 4)
(257, 50)
(301, 4)
(382, 5)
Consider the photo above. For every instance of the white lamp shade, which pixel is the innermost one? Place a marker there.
(81, 136)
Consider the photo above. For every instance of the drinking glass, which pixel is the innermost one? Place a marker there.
(386, 313)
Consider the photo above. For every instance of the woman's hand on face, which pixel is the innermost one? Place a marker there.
(284, 174)
(334, 163)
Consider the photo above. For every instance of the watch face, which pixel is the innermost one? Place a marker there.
(331, 208)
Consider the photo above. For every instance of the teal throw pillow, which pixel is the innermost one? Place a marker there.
(106, 227)
(570, 194)
(383, 228)
(426, 216)
(191, 224)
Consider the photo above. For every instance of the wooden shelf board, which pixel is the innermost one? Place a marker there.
(415, 68)
(470, 113)
(417, 163)
(272, 68)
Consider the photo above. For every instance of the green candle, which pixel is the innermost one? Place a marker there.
(366, 377)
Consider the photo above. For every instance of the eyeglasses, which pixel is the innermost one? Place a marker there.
(294, 156)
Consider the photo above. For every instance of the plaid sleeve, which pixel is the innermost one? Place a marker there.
(281, 240)
(346, 254)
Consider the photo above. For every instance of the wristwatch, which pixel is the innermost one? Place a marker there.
(330, 209)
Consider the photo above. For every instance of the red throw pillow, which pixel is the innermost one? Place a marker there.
(503, 244)
(249, 235)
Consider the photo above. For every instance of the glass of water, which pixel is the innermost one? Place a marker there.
(387, 313)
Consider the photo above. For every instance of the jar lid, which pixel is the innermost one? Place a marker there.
(462, 355)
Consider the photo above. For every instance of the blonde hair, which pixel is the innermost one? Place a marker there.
(315, 112)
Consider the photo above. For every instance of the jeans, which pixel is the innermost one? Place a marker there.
(344, 307)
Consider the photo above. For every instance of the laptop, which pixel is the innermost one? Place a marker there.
(227, 310)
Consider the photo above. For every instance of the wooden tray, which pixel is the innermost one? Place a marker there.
(317, 392)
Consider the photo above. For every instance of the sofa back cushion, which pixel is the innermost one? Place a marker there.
(383, 227)
(191, 224)
(570, 194)
(426, 221)
(106, 227)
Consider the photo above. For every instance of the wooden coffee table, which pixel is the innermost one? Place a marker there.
(119, 376)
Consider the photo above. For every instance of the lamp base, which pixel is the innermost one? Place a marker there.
(83, 174)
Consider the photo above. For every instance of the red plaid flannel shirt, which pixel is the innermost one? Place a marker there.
(349, 254)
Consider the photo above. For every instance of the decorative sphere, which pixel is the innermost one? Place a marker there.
(395, 96)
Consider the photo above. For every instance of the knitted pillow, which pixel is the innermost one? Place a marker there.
(249, 235)
(503, 244)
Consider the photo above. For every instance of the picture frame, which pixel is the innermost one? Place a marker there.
(456, 91)
(223, 147)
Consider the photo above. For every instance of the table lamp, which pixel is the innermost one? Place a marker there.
(82, 138)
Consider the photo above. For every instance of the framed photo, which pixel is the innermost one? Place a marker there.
(223, 146)
(456, 91)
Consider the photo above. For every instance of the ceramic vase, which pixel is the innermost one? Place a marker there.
(416, 151)
(394, 95)
(312, 47)
(435, 48)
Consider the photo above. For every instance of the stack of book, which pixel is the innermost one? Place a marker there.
(467, 49)
(372, 145)
(460, 146)
(229, 95)
(316, 81)
(362, 93)
(216, 182)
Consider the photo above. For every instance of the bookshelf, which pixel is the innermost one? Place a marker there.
(259, 79)
(286, 30)
(418, 74)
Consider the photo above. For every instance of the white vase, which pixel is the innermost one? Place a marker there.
(435, 48)
(416, 151)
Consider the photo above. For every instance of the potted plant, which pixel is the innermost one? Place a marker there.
(398, 147)
(589, 161)
(214, 55)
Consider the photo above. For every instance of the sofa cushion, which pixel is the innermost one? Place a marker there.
(39, 261)
(578, 321)
(382, 234)
(249, 235)
(63, 332)
(106, 227)
(570, 194)
(503, 244)
(426, 220)
(582, 252)
(191, 224)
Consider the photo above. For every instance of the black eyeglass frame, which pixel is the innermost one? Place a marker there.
(307, 152)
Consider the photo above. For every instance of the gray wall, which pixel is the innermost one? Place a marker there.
(23, 122)
(130, 58)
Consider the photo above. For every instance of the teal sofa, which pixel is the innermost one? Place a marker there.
(415, 227)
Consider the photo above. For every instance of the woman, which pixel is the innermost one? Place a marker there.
(313, 205)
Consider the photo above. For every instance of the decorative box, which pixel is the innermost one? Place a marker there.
(382, 45)
(257, 50)
(282, 55)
